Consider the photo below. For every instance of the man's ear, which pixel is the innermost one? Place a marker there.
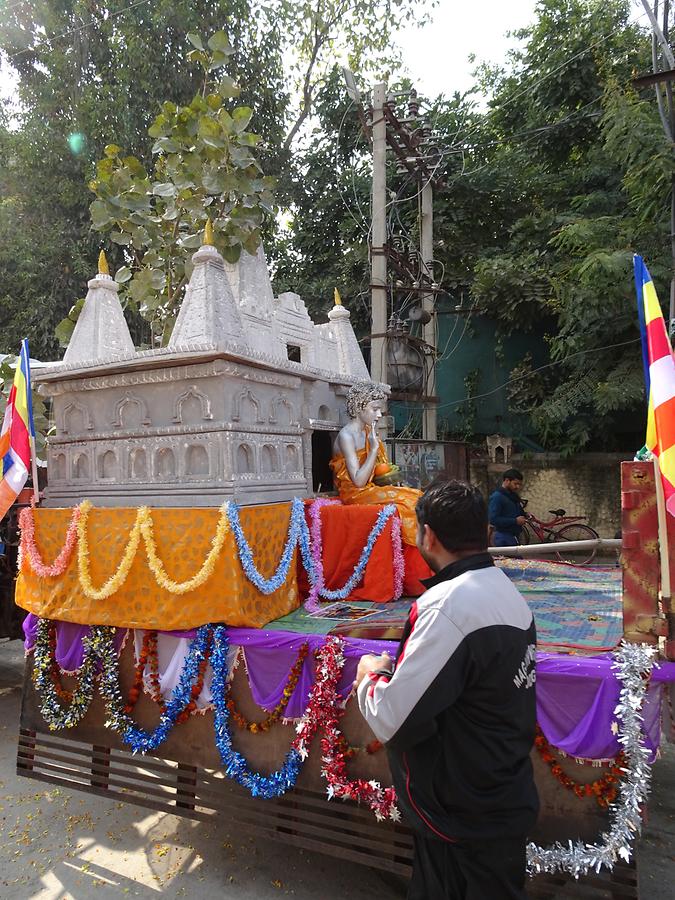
(430, 539)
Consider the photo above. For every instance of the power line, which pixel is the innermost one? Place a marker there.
(56, 37)
(563, 65)
(557, 362)
(360, 225)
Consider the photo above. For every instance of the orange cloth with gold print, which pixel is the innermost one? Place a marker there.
(404, 498)
(183, 538)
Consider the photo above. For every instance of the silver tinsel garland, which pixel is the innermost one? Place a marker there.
(633, 664)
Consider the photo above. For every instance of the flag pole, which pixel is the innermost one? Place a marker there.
(31, 424)
(664, 555)
(34, 471)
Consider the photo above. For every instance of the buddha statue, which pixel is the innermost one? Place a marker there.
(361, 469)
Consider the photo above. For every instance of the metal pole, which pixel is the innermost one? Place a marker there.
(546, 549)
(430, 424)
(378, 276)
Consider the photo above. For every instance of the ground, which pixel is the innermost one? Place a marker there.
(57, 844)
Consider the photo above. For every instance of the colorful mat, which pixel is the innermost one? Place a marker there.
(574, 608)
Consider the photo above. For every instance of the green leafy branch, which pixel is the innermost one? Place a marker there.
(204, 167)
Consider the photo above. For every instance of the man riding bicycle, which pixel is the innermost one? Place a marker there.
(506, 511)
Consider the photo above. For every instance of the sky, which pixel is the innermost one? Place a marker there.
(436, 56)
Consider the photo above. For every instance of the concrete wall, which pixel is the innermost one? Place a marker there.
(588, 484)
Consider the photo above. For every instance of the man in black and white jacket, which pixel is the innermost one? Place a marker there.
(456, 710)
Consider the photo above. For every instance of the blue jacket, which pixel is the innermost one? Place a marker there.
(503, 509)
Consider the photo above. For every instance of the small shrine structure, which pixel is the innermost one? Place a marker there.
(225, 411)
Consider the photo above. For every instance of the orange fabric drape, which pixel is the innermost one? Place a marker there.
(183, 538)
(344, 532)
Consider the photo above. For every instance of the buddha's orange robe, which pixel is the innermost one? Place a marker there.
(404, 498)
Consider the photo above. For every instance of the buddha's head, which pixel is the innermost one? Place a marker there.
(365, 401)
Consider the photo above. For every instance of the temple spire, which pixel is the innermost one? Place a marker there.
(101, 332)
(209, 314)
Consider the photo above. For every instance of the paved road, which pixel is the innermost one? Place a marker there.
(57, 844)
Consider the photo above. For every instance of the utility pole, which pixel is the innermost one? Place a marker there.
(429, 423)
(409, 138)
(378, 251)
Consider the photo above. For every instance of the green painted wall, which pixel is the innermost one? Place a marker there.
(467, 343)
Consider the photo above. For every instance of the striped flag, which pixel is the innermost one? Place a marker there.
(17, 432)
(659, 366)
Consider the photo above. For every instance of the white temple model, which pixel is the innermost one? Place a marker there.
(227, 409)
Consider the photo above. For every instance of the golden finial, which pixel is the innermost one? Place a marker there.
(338, 298)
(208, 234)
(103, 264)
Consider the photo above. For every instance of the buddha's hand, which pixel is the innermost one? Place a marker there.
(373, 440)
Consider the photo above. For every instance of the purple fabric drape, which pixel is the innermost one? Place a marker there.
(576, 695)
(69, 649)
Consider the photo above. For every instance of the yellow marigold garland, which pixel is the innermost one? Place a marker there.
(115, 582)
(207, 569)
(143, 527)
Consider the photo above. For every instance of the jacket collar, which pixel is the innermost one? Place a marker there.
(452, 570)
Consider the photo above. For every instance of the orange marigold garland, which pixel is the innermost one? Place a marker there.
(198, 686)
(280, 708)
(147, 658)
(603, 789)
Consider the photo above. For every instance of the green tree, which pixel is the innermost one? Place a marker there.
(103, 77)
(203, 167)
(587, 168)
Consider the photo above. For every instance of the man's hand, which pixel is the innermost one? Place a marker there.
(521, 520)
(371, 663)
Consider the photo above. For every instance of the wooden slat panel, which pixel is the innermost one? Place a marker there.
(302, 818)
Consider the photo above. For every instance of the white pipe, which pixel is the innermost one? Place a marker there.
(664, 560)
(537, 549)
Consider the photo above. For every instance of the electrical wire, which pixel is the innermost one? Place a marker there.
(359, 224)
(557, 362)
(55, 37)
(563, 65)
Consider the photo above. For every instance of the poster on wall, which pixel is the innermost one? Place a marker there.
(420, 461)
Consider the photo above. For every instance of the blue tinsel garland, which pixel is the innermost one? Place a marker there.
(142, 741)
(295, 528)
(298, 535)
(265, 786)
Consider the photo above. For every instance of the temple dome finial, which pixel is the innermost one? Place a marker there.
(103, 264)
(337, 297)
(208, 234)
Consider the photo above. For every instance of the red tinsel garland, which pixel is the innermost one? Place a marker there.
(324, 712)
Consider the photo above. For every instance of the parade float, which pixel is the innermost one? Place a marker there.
(197, 611)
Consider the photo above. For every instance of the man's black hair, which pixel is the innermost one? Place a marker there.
(512, 475)
(456, 513)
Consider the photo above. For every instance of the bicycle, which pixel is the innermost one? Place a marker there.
(561, 528)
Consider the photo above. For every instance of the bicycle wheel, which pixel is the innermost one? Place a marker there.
(525, 536)
(576, 533)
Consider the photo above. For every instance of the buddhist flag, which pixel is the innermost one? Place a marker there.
(659, 365)
(17, 432)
